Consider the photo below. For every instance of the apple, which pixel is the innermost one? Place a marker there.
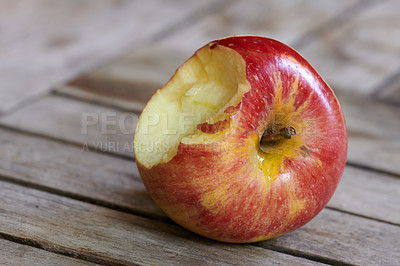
(244, 143)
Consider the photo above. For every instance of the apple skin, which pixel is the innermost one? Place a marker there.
(222, 190)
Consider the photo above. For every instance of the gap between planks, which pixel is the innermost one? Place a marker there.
(68, 142)
(59, 250)
(373, 169)
(389, 90)
(86, 199)
(329, 25)
(19, 252)
(310, 256)
(361, 216)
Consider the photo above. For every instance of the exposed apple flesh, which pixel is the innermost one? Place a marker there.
(198, 141)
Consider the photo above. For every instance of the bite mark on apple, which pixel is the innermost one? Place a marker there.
(195, 102)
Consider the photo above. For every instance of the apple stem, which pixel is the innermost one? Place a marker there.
(284, 133)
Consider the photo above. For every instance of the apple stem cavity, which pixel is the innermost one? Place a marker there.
(284, 133)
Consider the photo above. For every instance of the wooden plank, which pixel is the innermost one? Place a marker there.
(115, 182)
(130, 81)
(16, 254)
(359, 54)
(118, 237)
(71, 171)
(89, 125)
(368, 194)
(373, 129)
(47, 42)
(115, 237)
(389, 91)
(344, 237)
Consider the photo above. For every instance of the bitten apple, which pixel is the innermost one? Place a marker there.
(246, 142)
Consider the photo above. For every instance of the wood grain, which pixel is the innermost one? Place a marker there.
(75, 226)
(88, 125)
(345, 237)
(115, 182)
(368, 194)
(130, 81)
(389, 91)
(373, 129)
(71, 171)
(72, 226)
(64, 204)
(46, 42)
(359, 54)
(16, 254)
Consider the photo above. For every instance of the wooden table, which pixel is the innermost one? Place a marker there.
(71, 71)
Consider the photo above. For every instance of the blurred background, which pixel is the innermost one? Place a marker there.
(121, 51)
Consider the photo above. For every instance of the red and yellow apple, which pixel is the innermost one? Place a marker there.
(244, 143)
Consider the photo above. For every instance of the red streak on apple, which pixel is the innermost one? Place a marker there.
(233, 190)
(213, 128)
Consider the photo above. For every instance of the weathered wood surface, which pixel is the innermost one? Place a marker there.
(359, 54)
(12, 253)
(390, 91)
(346, 238)
(130, 81)
(369, 194)
(373, 129)
(71, 171)
(61, 202)
(88, 125)
(92, 232)
(103, 235)
(354, 57)
(44, 42)
(372, 126)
